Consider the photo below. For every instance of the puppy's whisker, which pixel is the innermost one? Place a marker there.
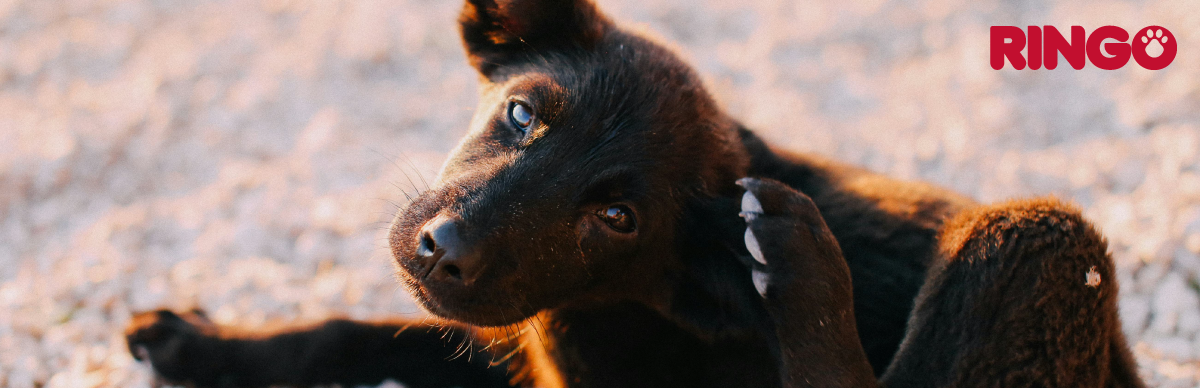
(460, 350)
(534, 320)
(403, 191)
(511, 353)
(392, 160)
(415, 170)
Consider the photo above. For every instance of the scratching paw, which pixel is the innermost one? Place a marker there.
(782, 225)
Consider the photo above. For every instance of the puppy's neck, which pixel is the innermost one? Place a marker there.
(710, 292)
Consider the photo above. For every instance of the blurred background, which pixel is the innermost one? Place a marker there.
(245, 156)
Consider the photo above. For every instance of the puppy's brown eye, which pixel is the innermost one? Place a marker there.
(619, 218)
(520, 115)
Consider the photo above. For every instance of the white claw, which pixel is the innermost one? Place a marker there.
(760, 281)
(750, 204)
(752, 246)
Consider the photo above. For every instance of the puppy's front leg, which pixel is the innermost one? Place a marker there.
(188, 349)
(805, 284)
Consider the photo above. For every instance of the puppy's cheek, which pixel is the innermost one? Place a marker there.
(590, 236)
(589, 227)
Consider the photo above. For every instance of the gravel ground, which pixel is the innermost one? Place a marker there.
(245, 156)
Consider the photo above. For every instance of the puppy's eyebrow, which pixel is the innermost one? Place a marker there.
(611, 184)
(611, 128)
(551, 98)
(549, 102)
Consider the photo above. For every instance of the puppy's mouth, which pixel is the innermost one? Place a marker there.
(488, 311)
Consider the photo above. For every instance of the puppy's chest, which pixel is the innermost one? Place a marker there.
(630, 345)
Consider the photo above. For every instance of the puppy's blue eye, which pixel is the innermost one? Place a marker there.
(520, 115)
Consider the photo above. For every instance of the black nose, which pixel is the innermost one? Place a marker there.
(444, 253)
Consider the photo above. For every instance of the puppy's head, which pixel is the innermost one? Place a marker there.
(586, 146)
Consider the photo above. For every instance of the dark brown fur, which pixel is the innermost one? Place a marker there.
(869, 276)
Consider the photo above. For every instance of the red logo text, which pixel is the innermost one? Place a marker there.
(1108, 47)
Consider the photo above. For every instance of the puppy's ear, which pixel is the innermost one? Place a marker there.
(500, 32)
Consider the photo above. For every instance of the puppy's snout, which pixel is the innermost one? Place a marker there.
(445, 254)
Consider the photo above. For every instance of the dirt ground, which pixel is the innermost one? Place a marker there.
(245, 156)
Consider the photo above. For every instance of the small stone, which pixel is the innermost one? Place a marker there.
(1092, 278)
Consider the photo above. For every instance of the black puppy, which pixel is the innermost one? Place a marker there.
(598, 195)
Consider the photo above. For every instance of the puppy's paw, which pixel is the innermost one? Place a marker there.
(172, 343)
(782, 225)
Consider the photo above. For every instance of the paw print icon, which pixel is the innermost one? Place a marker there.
(1154, 40)
(1154, 47)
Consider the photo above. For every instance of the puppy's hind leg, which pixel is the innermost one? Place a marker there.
(1023, 295)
